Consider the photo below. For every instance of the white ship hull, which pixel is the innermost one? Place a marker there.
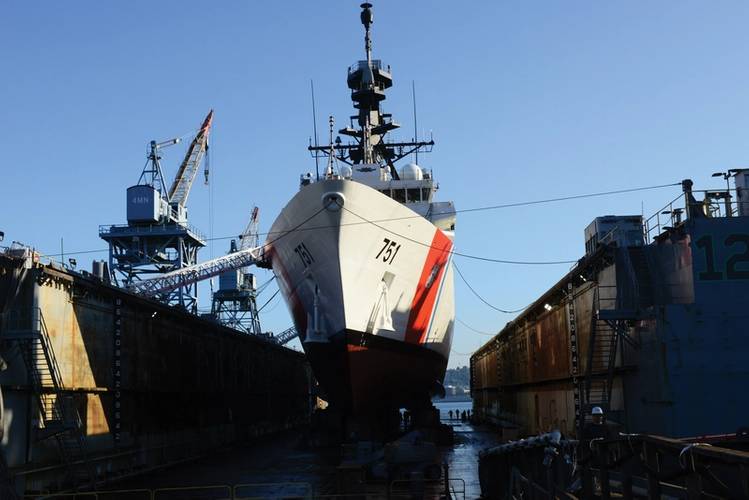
(369, 284)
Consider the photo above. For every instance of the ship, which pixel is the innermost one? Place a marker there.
(363, 256)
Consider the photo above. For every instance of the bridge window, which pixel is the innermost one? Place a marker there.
(399, 195)
(425, 194)
(386, 192)
(414, 195)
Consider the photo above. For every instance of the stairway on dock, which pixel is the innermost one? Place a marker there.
(59, 417)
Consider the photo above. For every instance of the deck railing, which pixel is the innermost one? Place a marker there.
(715, 204)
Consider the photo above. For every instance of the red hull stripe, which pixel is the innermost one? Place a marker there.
(426, 291)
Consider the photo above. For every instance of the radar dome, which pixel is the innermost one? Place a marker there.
(345, 171)
(411, 172)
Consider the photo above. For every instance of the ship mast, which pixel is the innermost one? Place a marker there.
(366, 20)
(368, 80)
(367, 84)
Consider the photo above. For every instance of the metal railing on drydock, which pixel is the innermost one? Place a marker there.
(626, 466)
(395, 490)
(715, 204)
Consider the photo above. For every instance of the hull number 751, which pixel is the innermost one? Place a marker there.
(304, 254)
(388, 251)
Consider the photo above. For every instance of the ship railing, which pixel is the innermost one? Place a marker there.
(716, 203)
(375, 64)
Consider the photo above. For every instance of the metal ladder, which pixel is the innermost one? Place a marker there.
(60, 417)
(601, 358)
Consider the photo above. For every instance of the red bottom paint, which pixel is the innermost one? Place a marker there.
(361, 373)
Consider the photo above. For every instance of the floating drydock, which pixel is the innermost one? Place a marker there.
(101, 383)
(651, 325)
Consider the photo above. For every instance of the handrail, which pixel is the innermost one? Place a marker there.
(59, 415)
(375, 64)
(655, 226)
(657, 464)
(106, 229)
(677, 210)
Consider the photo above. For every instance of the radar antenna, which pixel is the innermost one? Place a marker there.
(366, 19)
(331, 152)
(368, 79)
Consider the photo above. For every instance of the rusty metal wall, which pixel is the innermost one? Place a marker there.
(183, 378)
(685, 373)
(531, 384)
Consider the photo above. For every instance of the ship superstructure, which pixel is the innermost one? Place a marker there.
(363, 257)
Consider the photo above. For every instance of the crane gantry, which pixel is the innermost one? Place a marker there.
(155, 253)
(157, 238)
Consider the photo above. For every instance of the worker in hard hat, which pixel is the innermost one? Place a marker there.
(597, 414)
(597, 428)
(594, 430)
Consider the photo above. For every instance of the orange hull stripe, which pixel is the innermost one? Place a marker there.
(425, 297)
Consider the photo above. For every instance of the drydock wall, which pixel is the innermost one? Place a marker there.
(687, 373)
(522, 377)
(151, 383)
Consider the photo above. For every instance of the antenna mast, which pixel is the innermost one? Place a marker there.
(331, 153)
(314, 128)
(366, 20)
(416, 130)
(368, 80)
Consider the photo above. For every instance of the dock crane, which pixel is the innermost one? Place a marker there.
(250, 238)
(188, 169)
(157, 238)
(235, 302)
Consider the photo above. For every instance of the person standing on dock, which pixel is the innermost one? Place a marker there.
(597, 429)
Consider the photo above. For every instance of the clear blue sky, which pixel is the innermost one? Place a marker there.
(526, 100)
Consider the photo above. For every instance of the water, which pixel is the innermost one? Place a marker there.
(445, 406)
